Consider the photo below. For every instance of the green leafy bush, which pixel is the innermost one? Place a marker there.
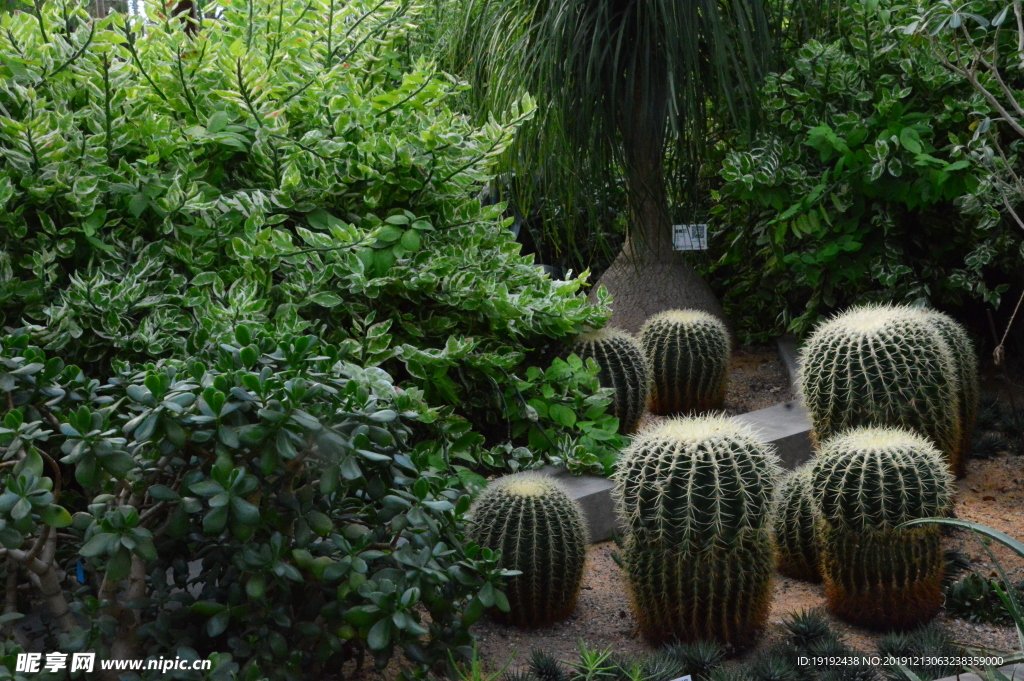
(264, 340)
(848, 192)
(315, 494)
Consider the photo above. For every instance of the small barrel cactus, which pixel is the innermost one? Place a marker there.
(695, 495)
(688, 351)
(966, 362)
(866, 482)
(623, 369)
(541, 532)
(794, 518)
(882, 365)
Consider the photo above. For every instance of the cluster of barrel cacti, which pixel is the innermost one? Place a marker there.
(678, 366)
(708, 516)
(892, 393)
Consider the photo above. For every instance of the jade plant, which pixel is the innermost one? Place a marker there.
(624, 369)
(883, 365)
(541, 533)
(688, 351)
(695, 495)
(868, 481)
(794, 519)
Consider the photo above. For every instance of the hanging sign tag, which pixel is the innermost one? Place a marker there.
(690, 237)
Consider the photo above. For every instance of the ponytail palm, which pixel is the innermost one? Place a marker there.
(626, 90)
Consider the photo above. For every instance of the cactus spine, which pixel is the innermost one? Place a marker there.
(966, 362)
(794, 519)
(688, 351)
(866, 482)
(623, 369)
(882, 365)
(541, 532)
(696, 497)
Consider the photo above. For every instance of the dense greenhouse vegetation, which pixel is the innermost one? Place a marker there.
(280, 354)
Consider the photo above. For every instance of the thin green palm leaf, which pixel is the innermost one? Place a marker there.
(617, 82)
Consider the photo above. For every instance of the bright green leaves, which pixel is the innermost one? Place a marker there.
(26, 502)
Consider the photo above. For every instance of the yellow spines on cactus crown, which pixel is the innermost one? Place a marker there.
(884, 365)
(688, 351)
(624, 369)
(541, 532)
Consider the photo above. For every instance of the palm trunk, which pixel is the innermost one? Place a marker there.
(649, 276)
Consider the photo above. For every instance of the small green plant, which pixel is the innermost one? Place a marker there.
(688, 351)
(699, 658)
(541, 534)
(624, 369)
(695, 495)
(882, 365)
(976, 598)
(866, 482)
(794, 518)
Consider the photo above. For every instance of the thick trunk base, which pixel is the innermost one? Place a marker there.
(641, 291)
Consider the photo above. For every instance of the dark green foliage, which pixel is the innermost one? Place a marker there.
(695, 496)
(624, 369)
(540, 532)
(794, 518)
(698, 658)
(999, 430)
(847, 194)
(688, 353)
(298, 568)
(773, 665)
(975, 598)
(927, 642)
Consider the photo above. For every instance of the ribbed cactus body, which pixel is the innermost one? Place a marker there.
(882, 366)
(795, 519)
(866, 482)
(541, 532)
(695, 495)
(623, 369)
(688, 352)
(966, 362)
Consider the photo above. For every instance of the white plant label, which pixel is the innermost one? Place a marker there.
(690, 237)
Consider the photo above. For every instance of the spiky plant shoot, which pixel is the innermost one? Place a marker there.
(866, 482)
(624, 369)
(688, 351)
(695, 495)
(540, 531)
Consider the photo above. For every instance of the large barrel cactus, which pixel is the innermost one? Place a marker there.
(541, 532)
(695, 495)
(882, 365)
(623, 369)
(794, 518)
(866, 482)
(966, 362)
(688, 351)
